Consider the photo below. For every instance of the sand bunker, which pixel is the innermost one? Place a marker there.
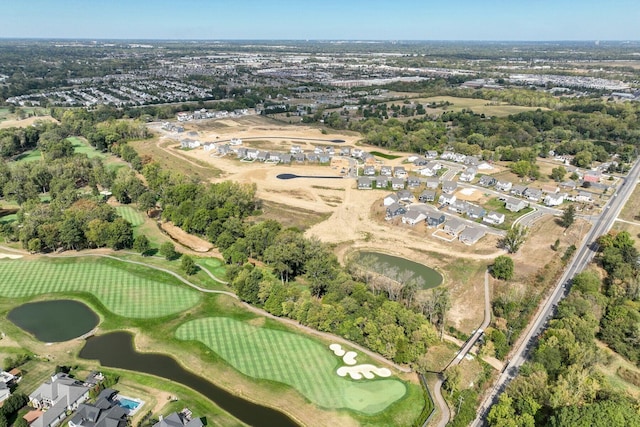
(9, 256)
(350, 358)
(367, 371)
(337, 350)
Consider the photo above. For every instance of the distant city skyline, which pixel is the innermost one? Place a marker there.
(489, 20)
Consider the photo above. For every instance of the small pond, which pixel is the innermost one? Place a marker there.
(384, 264)
(116, 350)
(54, 321)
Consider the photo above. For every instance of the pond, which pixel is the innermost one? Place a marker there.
(116, 350)
(54, 321)
(389, 265)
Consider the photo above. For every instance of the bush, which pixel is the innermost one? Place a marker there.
(168, 250)
(502, 268)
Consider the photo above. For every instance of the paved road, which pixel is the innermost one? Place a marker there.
(584, 254)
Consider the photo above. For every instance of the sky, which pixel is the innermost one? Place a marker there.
(513, 20)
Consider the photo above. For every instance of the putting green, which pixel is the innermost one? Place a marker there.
(214, 265)
(288, 358)
(122, 292)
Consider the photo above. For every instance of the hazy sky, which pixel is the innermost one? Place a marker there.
(324, 19)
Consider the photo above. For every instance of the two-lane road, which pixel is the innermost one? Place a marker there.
(584, 254)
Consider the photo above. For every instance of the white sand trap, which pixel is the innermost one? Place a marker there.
(337, 349)
(467, 191)
(368, 371)
(350, 358)
(9, 256)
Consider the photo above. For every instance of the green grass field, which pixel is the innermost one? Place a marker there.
(215, 266)
(300, 362)
(124, 289)
(80, 146)
(479, 106)
(131, 214)
(385, 156)
(8, 219)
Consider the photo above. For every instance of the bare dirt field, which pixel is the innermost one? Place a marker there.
(25, 122)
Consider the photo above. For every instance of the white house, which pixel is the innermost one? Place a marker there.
(553, 199)
(468, 174)
(413, 217)
(447, 199)
(494, 218)
(390, 199)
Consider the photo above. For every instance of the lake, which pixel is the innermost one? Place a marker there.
(380, 261)
(54, 321)
(116, 350)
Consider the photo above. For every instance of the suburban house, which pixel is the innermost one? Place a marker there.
(454, 227)
(504, 185)
(299, 157)
(413, 217)
(435, 219)
(295, 149)
(448, 187)
(312, 158)
(584, 197)
(394, 210)
(459, 207)
(413, 182)
(550, 189)
(385, 170)
(553, 199)
(345, 151)
(432, 183)
(459, 158)
(518, 190)
(364, 183)
(569, 185)
(399, 172)
(592, 176)
(447, 155)
(418, 161)
(430, 169)
(494, 218)
(475, 211)
(274, 157)
(103, 413)
(471, 235)
(382, 182)
(57, 396)
(533, 194)
(189, 143)
(514, 205)
(369, 171)
(262, 156)
(397, 183)
(324, 158)
(390, 199)
(431, 154)
(357, 152)
(468, 174)
(405, 196)
(447, 199)
(487, 181)
(179, 420)
(427, 196)
(471, 161)
(285, 158)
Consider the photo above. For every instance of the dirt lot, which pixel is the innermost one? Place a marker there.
(25, 122)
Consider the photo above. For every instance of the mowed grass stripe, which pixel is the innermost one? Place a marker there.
(130, 214)
(121, 292)
(291, 359)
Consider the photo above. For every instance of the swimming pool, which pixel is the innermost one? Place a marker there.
(130, 404)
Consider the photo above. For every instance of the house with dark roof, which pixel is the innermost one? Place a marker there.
(427, 196)
(435, 219)
(459, 207)
(405, 196)
(394, 210)
(475, 211)
(518, 190)
(413, 182)
(178, 420)
(57, 396)
(103, 413)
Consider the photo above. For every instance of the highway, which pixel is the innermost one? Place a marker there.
(584, 254)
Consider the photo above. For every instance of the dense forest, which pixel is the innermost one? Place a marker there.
(564, 384)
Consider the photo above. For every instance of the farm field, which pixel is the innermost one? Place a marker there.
(479, 106)
(291, 359)
(134, 291)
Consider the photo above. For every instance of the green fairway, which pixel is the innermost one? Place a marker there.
(124, 289)
(8, 219)
(29, 156)
(215, 266)
(80, 146)
(130, 214)
(300, 362)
